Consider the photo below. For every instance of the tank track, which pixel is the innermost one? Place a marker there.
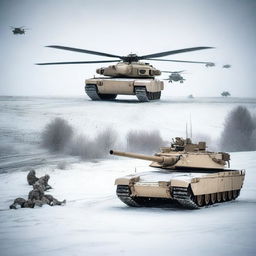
(92, 92)
(184, 197)
(123, 192)
(144, 96)
(141, 94)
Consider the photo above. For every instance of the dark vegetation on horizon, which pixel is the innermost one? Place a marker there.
(239, 132)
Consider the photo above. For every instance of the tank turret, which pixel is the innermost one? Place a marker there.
(182, 154)
(133, 69)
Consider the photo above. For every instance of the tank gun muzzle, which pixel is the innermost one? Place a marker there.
(164, 160)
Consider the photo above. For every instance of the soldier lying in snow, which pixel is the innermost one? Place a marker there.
(36, 197)
(39, 198)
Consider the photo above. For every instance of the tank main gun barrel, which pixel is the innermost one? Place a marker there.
(165, 160)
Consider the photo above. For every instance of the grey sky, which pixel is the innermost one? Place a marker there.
(121, 27)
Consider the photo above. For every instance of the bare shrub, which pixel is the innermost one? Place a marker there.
(239, 131)
(56, 135)
(144, 141)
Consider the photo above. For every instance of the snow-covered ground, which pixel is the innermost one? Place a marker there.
(94, 221)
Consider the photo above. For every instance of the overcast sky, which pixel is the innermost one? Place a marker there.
(122, 27)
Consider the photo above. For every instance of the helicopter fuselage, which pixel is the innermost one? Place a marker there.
(18, 31)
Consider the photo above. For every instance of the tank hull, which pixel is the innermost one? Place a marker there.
(190, 188)
(144, 89)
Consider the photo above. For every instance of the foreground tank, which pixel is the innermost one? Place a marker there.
(125, 79)
(187, 174)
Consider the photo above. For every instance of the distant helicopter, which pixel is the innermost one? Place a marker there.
(226, 66)
(18, 30)
(210, 64)
(175, 76)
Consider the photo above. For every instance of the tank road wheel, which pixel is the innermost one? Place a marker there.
(200, 200)
(207, 199)
(235, 193)
(229, 195)
(213, 198)
(158, 96)
(218, 197)
(224, 196)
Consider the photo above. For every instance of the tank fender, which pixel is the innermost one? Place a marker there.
(179, 183)
(127, 180)
(164, 184)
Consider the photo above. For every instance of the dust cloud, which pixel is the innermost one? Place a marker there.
(60, 136)
(57, 135)
(144, 141)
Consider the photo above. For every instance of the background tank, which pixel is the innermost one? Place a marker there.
(187, 174)
(129, 76)
(135, 78)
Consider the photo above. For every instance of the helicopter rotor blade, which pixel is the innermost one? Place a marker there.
(77, 62)
(163, 54)
(182, 61)
(173, 71)
(83, 51)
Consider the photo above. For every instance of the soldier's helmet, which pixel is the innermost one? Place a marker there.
(32, 172)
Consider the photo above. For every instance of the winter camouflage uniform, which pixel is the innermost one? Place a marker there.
(23, 203)
(36, 197)
(31, 177)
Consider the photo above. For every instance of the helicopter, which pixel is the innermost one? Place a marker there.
(226, 66)
(210, 64)
(18, 30)
(130, 76)
(175, 76)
